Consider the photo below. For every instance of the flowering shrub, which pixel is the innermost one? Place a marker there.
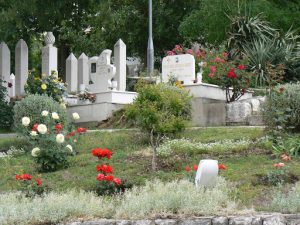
(6, 112)
(107, 184)
(29, 186)
(51, 140)
(46, 85)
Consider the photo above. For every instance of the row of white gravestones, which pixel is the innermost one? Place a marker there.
(99, 70)
(21, 66)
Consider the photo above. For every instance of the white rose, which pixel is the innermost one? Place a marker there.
(35, 152)
(33, 133)
(60, 138)
(45, 113)
(76, 116)
(70, 148)
(63, 105)
(25, 121)
(55, 116)
(42, 128)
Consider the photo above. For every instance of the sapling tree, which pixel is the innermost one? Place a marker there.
(160, 111)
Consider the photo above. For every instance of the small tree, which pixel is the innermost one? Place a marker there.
(160, 111)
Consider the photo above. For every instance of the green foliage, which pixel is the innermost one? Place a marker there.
(282, 109)
(289, 145)
(32, 107)
(46, 85)
(6, 109)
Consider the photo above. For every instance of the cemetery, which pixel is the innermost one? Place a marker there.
(202, 126)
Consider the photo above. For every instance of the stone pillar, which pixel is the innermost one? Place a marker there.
(21, 65)
(71, 73)
(49, 55)
(83, 70)
(120, 64)
(12, 86)
(4, 62)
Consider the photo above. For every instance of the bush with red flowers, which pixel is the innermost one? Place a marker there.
(107, 183)
(30, 186)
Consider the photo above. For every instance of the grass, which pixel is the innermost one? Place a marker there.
(132, 161)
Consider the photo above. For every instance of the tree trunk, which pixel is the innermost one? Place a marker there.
(154, 159)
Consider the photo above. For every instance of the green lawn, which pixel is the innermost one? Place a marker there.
(132, 161)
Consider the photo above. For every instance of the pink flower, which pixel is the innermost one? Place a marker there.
(100, 177)
(225, 54)
(241, 67)
(219, 60)
(211, 75)
(213, 69)
(190, 51)
(231, 74)
(170, 53)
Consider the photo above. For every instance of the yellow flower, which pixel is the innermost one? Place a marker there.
(44, 86)
(43, 75)
(36, 78)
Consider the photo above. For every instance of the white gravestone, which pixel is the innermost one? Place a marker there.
(4, 62)
(21, 66)
(104, 73)
(120, 64)
(182, 67)
(83, 71)
(12, 88)
(207, 173)
(49, 55)
(71, 73)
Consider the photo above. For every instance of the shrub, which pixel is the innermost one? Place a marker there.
(32, 106)
(282, 109)
(46, 85)
(6, 110)
(287, 202)
(160, 110)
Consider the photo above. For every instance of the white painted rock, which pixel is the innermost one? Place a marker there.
(207, 173)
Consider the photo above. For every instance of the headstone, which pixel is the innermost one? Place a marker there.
(49, 55)
(21, 65)
(207, 173)
(120, 64)
(83, 70)
(12, 86)
(181, 67)
(71, 73)
(103, 74)
(4, 62)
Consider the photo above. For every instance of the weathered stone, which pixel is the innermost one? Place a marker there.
(83, 70)
(49, 55)
(99, 222)
(21, 66)
(257, 221)
(123, 222)
(275, 220)
(220, 221)
(4, 61)
(241, 221)
(255, 103)
(71, 73)
(143, 222)
(294, 222)
(200, 221)
(237, 112)
(120, 64)
(165, 222)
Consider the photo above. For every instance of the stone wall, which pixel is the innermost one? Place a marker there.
(259, 219)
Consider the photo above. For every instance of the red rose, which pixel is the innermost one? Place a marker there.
(26, 177)
(222, 167)
(104, 168)
(18, 177)
(100, 177)
(58, 127)
(117, 181)
(241, 67)
(187, 169)
(109, 177)
(281, 90)
(38, 182)
(195, 167)
(81, 130)
(231, 74)
(35, 126)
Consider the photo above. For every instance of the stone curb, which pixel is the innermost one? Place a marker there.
(259, 219)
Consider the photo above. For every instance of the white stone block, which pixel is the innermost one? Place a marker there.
(49, 55)
(21, 65)
(120, 64)
(71, 73)
(4, 62)
(238, 111)
(12, 89)
(181, 67)
(83, 70)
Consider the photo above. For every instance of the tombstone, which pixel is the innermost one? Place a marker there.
(71, 73)
(21, 66)
(49, 55)
(207, 173)
(102, 75)
(12, 86)
(181, 67)
(83, 71)
(4, 62)
(120, 64)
